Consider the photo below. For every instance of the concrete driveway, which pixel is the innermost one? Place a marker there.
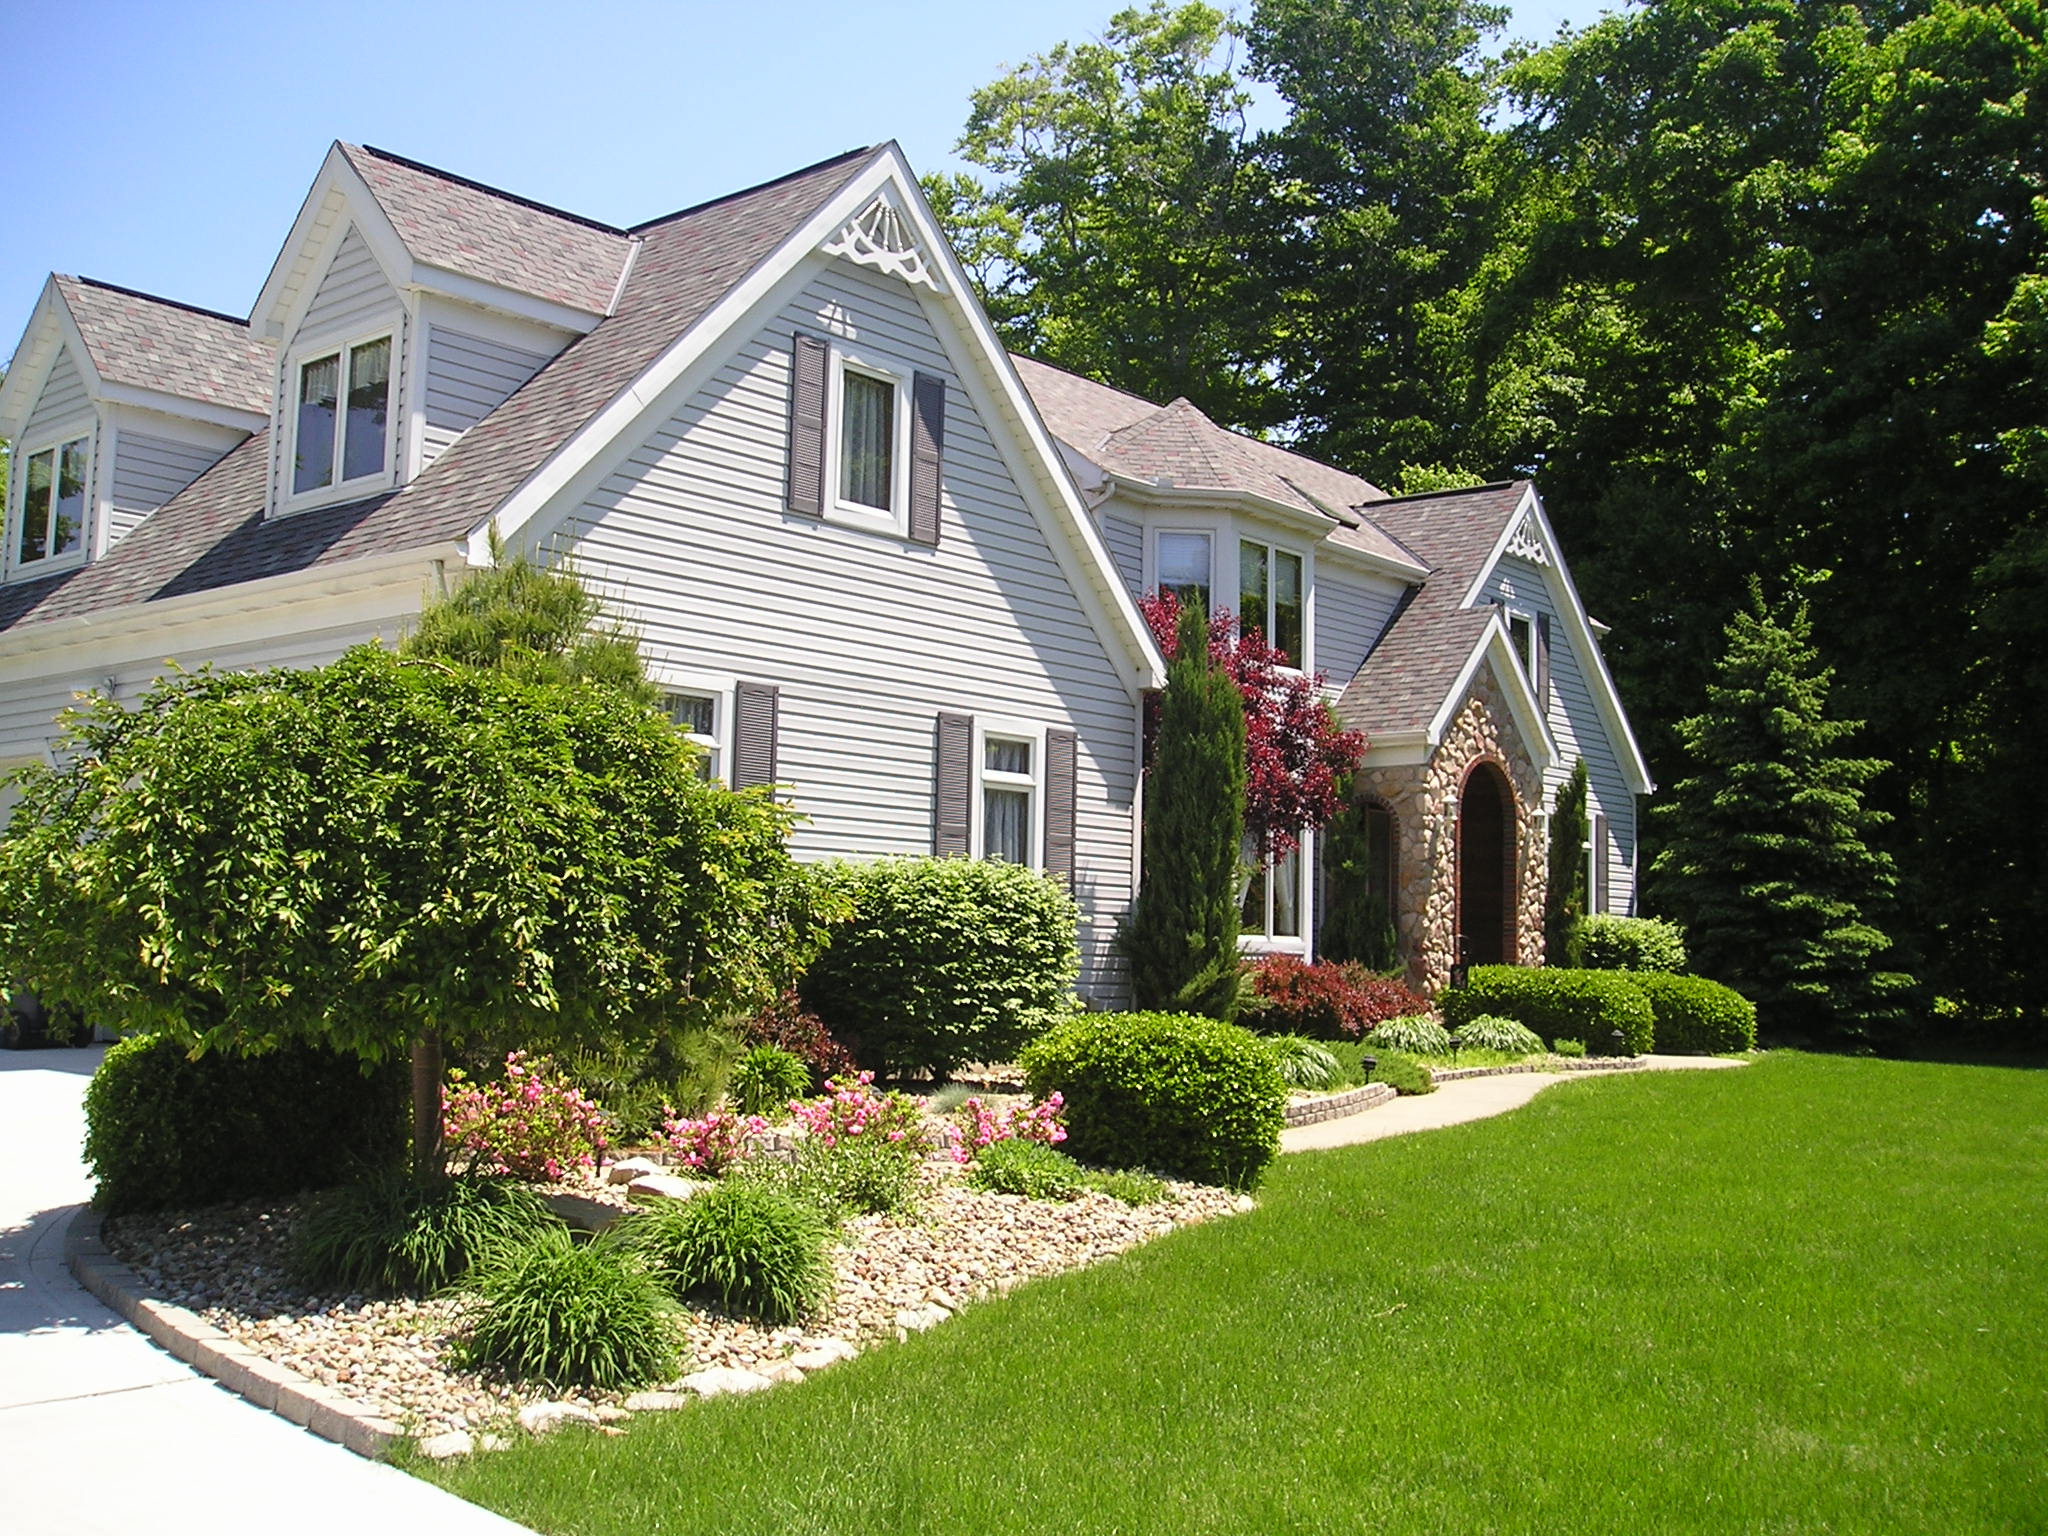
(101, 1431)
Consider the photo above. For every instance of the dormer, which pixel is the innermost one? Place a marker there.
(406, 305)
(115, 402)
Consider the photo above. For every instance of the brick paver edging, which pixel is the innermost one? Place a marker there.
(234, 1365)
(1336, 1105)
(1569, 1064)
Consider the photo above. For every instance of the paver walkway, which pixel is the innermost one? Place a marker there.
(1453, 1103)
(101, 1431)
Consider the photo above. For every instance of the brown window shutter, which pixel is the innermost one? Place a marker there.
(1596, 893)
(755, 710)
(927, 449)
(1059, 805)
(1543, 662)
(953, 787)
(809, 360)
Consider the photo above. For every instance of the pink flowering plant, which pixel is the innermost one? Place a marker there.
(983, 1125)
(712, 1144)
(852, 1110)
(533, 1124)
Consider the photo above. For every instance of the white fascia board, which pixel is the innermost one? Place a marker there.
(164, 403)
(1521, 698)
(420, 277)
(282, 304)
(1398, 749)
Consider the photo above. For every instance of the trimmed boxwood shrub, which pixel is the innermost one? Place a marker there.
(1327, 1000)
(1698, 1017)
(164, 1132)
(1403, 1073)
(1559, 1003)
(1604, 943)
(943, 961)
(1191, 1097)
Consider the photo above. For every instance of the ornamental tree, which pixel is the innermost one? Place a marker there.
(1297, 758)
(1564, 892)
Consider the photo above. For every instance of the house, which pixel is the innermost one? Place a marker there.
(870, 557)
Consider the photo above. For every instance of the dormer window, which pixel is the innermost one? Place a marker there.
(341, 432)
(53, 501)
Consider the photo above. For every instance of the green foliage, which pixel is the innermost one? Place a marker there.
(568, 1314)
(1767, 857)
(1358, 924)
(1556, 1002)
(766, 1078)
(1350, 1058)
(1567, 1047)
(1605, 943)
(1491, 1032)
(1403, 1073)
(753, 1249)
(1304, 1063)
(1564, 890)
(685, 1070)
(1191, 1097)
(1698, 1017)
(1415, 1035)
(1031, 1168)
(942, 961)
(1133, 1186)
(865, 1176)
(164, 1131)
(393, 1231)
(1181, 939)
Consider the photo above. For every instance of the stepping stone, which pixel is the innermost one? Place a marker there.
(627, 1169)
(546, 1418)
(721, 1379)
(441, 1447)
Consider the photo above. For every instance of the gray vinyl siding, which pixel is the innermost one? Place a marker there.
(353, 297)
(1126, 540)
(468, 377)
(868, 636)
(61, 406)
(1351, 610)
(149, 471)
(1576, 724)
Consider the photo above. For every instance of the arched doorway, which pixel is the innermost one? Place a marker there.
(1486, 868)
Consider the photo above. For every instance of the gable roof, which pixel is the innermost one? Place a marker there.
(146, 342)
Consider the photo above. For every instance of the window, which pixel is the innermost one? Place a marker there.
(867, 441)
(1183, 560)
(1009, 786)
(53, 482)
(1272, 901)
(1269, 586)
(341, 430)
(696, 714)
(1522, 635)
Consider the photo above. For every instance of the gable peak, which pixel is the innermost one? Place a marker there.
(881, 236)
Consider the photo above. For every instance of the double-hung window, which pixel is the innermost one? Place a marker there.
(53, 503)
(1183, 568)
(1269, 596)
(699, 714)
(1273, 902)
(1009, 792)
(342, 417)
(1522, 635)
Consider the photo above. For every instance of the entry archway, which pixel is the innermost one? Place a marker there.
(1486, 868)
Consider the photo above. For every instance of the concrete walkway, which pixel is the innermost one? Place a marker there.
(1453, 1103)
(101, 1431)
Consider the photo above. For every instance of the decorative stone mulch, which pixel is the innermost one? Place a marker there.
(395, 1356)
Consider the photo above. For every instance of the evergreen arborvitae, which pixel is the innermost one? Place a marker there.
(1181, 939)
(1564, 894)
(1766, 859)
(1357, 922)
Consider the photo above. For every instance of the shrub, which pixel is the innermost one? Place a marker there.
(1567, 1047)
(1554, 1001)
(638, 1084)
(1303, 1063)
(1133, 1186)
(1491, 1032)
(767, 1078)
(1413, 1036)
(1326, 1000)
(534, 1124)
(1350, 1058)
(857, 1178)
(572, 1315)
(1031, 1168)
(163, 1131)
(852, 1110)
(756, 1250)
(1404, 1074)
(944, 961)
(787, 1024)
(395, 1232)
(713, 1143)
(1192, 1097)
(1603, 943)
(1698, 1017)
(982, 1126)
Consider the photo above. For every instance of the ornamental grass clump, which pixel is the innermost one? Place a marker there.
(749, 1247)
(534, 1124)
(394, 1231)
(1413, 1036)
(572, 1315)
(1491, 1032)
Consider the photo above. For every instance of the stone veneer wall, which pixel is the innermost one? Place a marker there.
(1425, 883)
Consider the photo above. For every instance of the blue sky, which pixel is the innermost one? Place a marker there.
(166, 146)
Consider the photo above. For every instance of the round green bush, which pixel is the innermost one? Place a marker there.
(394, 1232)
(1698, 1017)
(1558, 1002)
(1491, 1032)
(1193, 1098)
(943, 961)
(573, 1315)
(1304, 1063)
(1567, 1047)
(1604, 943)
(164, 1131)
(1020, 1167)
(766, 1078)
(755, 1250)
(1413, 1036)
(1404, 1074)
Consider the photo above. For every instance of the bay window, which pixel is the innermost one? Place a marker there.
(1269, 597)
(1183, 568)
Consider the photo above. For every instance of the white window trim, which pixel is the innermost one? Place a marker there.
(1510, 613)
(1009, 730)
(854, 514)
(337, 491)
(719, 690)
(85, 431)
(1215, 533)
(1305, 663)
(1265, 941)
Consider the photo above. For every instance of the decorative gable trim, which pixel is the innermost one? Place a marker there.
(1525, 542)
(879, 236)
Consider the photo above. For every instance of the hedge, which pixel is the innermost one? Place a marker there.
(1189, 1097)
(1698, 1017)
(1559, 1004)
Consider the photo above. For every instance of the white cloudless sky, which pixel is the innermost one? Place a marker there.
(166, 145)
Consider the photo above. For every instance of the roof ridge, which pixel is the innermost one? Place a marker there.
(498, 192)
(157, 298)
(762, 186)
(1460, 490)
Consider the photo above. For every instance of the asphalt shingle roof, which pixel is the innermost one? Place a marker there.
(152, 343)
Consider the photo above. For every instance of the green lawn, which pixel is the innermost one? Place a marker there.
(1810, 1295)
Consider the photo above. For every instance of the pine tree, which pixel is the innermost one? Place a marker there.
(1357, 922)
(1767, 860)
(1181, 940)
(1564, 896)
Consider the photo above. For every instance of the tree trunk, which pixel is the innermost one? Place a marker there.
(426, 1105)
